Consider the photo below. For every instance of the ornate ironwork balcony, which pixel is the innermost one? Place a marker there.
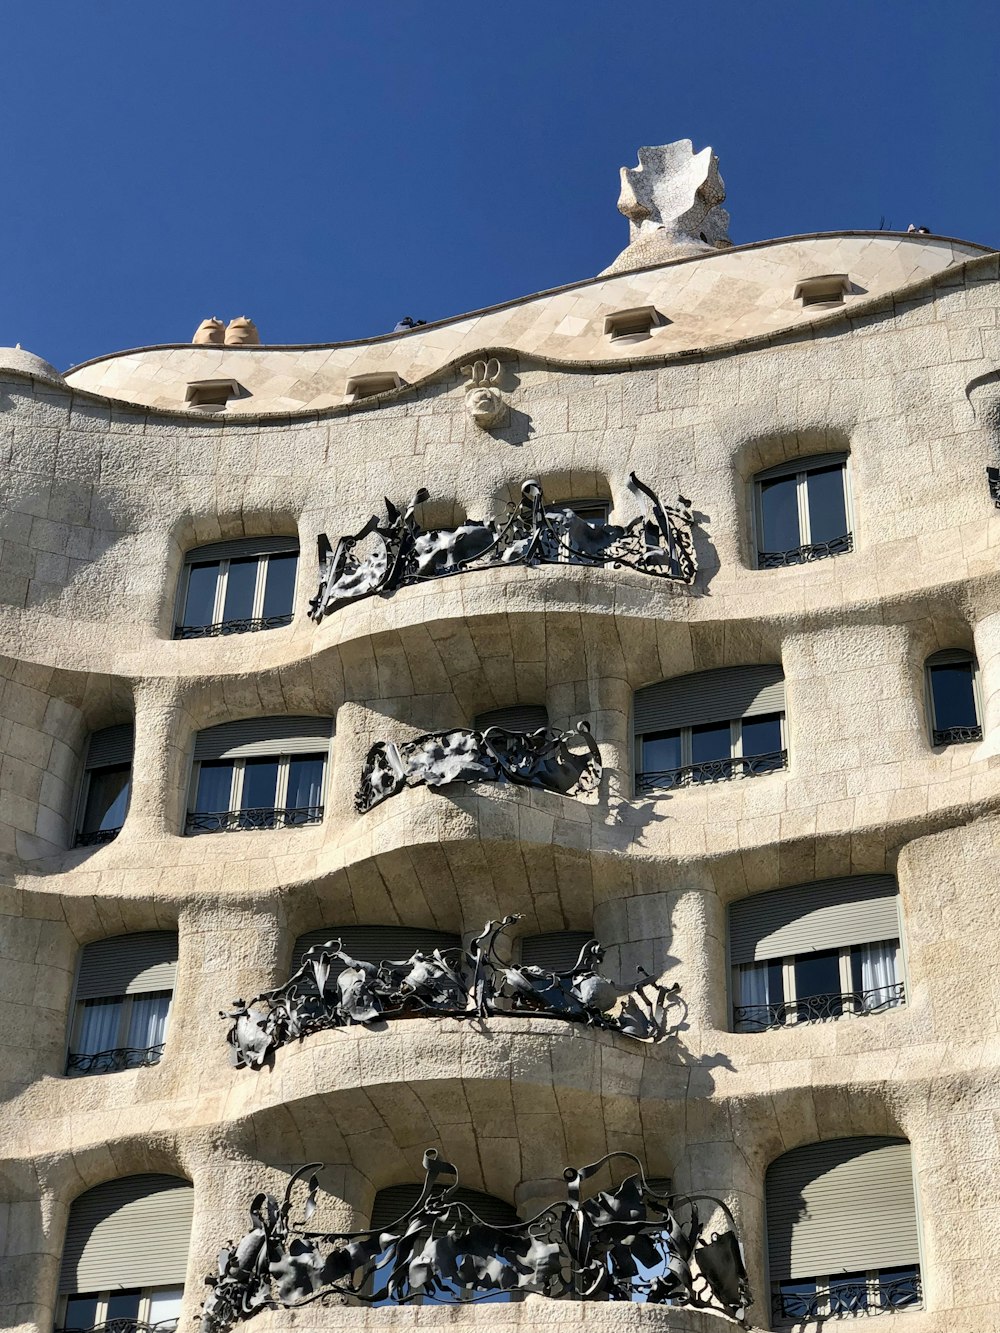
(957, 735)
(817, 1008)
(263, 817)
(846, 1300)
(112, 1062)
(97, 837)
(224, 627)
(628, 1243)
(450, 983)
(805, 555)
(993, 476)
(711, 770)
(125, 1326)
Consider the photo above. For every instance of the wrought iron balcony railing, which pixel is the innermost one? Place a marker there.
(223, 627)
(993, 477)
(112, 1062)
(845, 1300)
(711, 770)
(125, 1326)
(817, 1008)
(264, 817)
(805, 555)
(957, 735)
(97, 837)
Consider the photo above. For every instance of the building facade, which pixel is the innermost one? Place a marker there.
(728, 508)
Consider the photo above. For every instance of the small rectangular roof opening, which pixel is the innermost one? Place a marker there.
(824, 289)
(212, 394)
(378, 381)
(633, 325)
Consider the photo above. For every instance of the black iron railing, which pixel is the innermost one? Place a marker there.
(711, 770)
(265, 817)
(817, 1008)
(805, 555)
(112, 1062)
(993, 476)
(125, 1326)
(97, 837)
(221, 627)
(840, 1300)
(957, 735)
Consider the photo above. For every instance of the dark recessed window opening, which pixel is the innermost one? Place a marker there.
(802, 512)
(107, 783)
(953, 692)
(238, 587)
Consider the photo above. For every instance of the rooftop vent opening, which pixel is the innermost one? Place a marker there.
(826, 289)
(367, 386)
(212, 395)
(633, 325)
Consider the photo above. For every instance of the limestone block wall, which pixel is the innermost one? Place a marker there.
(86, 643)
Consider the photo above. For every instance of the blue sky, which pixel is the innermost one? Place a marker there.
(327, 167)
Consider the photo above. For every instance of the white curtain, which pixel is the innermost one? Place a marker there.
(165, 1308)
(148, 1025)
(878, 974)
(754, 993)
(99, 1029)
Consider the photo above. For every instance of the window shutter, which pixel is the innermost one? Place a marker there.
(794, 465)
(826, 914)
(128, 1233)
(709, 696)
(112, 745)
(841, 1207)
(521, 717)
(950, 657)
(557, 951)
(128, 965)
(372, 944)
(391, 1203)
(242, 549)
(256, 736)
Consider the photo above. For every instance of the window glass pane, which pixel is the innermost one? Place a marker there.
(661, 751)
(215, 785)
(240, 589)
(81, 1312)
(148, 1023)
(99, 1026)
(762, 735)
(779, 510)
(817, 978)
(874, 974)
(107, 798)
(760, 995)
(708, 743)
(305, 781)
(899, 1287)
(260, 782)
(123, 1305)
(848, 1293)
(199, 608)
(165, 1307)
(954, 699)
(797, 1299)
(279, 589)
(827, 507)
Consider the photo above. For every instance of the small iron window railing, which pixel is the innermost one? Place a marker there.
(125, 1326)
(97, 837)
(712, 770)
(957, 735)
(223, 627)
(113, 1061)
(265, 817)
(882, 1292)
(805, 555)
(817, 1008)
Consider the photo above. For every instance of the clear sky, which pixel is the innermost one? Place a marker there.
(327, 167)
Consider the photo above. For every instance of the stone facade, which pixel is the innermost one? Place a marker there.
(108, 481)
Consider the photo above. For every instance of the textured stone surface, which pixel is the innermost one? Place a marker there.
(101, 499)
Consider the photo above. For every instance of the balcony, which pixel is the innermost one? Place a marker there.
(847, 1295)
(264, 817)
(806, 555)
(221, 628)
(817, 1008)
(114, 1061)
(713, 770)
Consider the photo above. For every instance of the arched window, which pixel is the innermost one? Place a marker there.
(107, 781)
(709, 726)
(122, 1002)
(518, 717)
(237, 587)
(259, 773)
(842, 1230)
(125, 1255)
(802, 511)
(815, 951)
(390, 1205)
(953, 697)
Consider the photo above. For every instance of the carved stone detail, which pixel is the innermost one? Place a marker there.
(384, 556)
(453, 983)
(483, 402)
(627, 1243)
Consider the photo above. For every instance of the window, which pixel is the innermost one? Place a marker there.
(518, 717)
(122, 1003)
(633, 325)
(802, 511)
(261, 773)
(107, 780)
(237, 587)
(826, 289)
(125, 1255)
(555, 951)
(709, 727)
(816, 951)
(953, 698)
(842, 1230)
